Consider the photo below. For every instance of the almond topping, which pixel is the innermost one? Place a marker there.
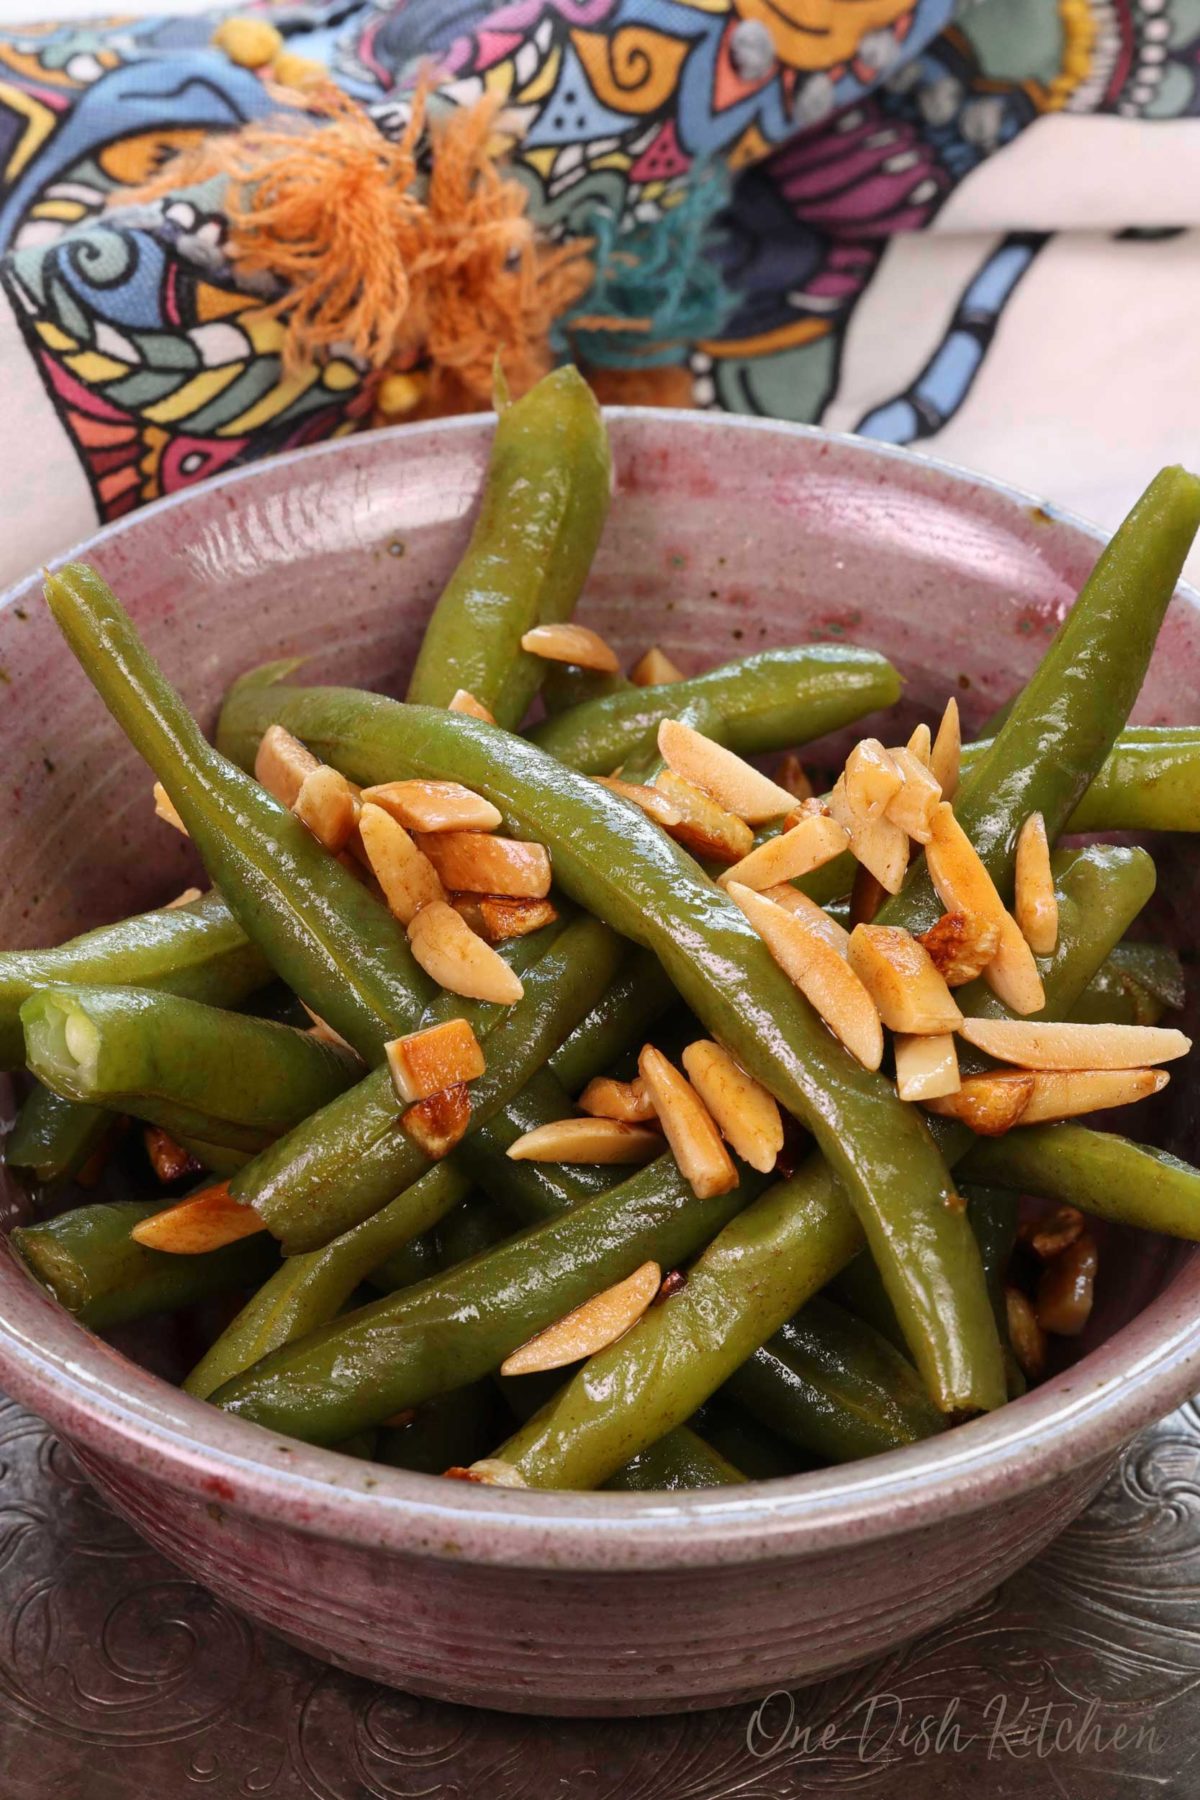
(814, 841)
(169, 1160)
(872, 780)
(164, 806)
(704, 826)
(689, 1127)
(1065, 1291)
(472, 862)
(747, 1115)
(912, 805)
(590, 1140)
(1036, 904)
(324, 1032)
(605, 1098)
(490, 1471)
(441, 1056)
(654, 669)
(185, 899)
(572, 644)
(957, 871)
(450, 954)
(989, 1104)
(1012, 974)
(947, 751)
(815, 917)
(652, 801)
(599, 1322)
(496, 918)
(920, 744)
(407, 877)
(282, 764)
(825, 979)
(329, 806)
(465, 702)
(1053, 1231)
(792, 775)
(438, 1122)
(899, 974)
(1064, 1095)
(926, 1067)
(434, 806)
(1026, 1336)
(961, 945)
(876, 843)
(204, 1221)
(1053, 1046)
(731, 782)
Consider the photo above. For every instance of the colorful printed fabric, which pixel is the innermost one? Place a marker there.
(975, 232)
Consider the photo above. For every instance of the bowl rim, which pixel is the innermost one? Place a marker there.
(119, 1412)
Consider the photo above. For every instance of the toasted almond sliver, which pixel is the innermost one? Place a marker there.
(450, 953)
(732, 783)
(1052, 1046)
(204, 1221)
(473, 862)
(329, 806)
(1025, 1334)
(1065, 1095)
(465, 702)
(814, 841)
(441, 1056)
(962, 882)
(912, 805)
(1065, 1291)
(899, 974)
(406, 875)
(282, 763)
(747, 1116)
(185, 899)
(434, 806)
(961, 945)
(815, 917)
(920, 744)
(440, 1121)
(689, 1126)
(824, 978)
(572, 644)
(989, 1104)
(652, 801)
(164, 806)
(947, 751)
(704, 826)
(926, 1067)
(1052, 1232)
(792, 775)
(489, 1471)
(1012, 974)
(169, 1160)
(1035, 902)
(599, 1322)
(323, 1031)
(496, 919)
(605, 1098)
(872, 780)
(589, 1140)
(654, 669)
(876, 843)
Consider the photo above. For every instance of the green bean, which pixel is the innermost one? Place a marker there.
(565, 686)
(196, 1071)
(53, 1138)
(768, 701)
(653, 893)
(1150, 781)
(93, 1266)
(994, 1218)
(637, 998)
(1137, 984)
(1097, 1171)
(198, 950)
(679, 1462)
(449, 1431)
(409, 1262)
(544, 504)
(759, 1453)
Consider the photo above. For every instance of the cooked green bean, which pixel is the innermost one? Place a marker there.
(1101, 1173)
(679, 1462)
(638, 996)
(451, 1430)
(759, 1453)
(994, 1218)
(1137, 984)
(1150, 781)
(53, 1138)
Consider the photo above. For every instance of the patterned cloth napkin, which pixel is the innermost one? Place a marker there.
(970, 230)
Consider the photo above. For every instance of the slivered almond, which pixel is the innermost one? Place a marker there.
(899, 974)
(323, 1031)
(282, 764)
(496, 918)
(961, 945)
(652, 801)
(730, 781)
(689, 1126)
(438, 1122)
(1053, 1231)
(450, 953)
(169, 1160)
(164, 806)
(1065, 1291)
(329, 806)
(866, 897)
(1012, 974)
(474, 863)
(1035, 902)
(824, 978)
(989, 1104)
(599, 1322)
(792, 775)
(920, 744)
(628, 1101)
(872, 780)
(876, 843)
(465, 702)
(957, 871)
(654, 669)
(406, 875)
(912, 805)
(441, 1056)
(814, 841)
(204, 1221)
(1065, 1095)
(1053, 1046)
(590, 1140)
(575, 644)
(434, 806)
(815, 917)
(489, 1471)
(1026, 1336)
(747, 1116)
(184, 899)
(704, 826)
(947, 751)
(926, 1067)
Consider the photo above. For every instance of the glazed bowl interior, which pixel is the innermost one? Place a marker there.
(725, 536)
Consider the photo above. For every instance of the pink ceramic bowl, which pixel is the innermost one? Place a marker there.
(725, 535)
